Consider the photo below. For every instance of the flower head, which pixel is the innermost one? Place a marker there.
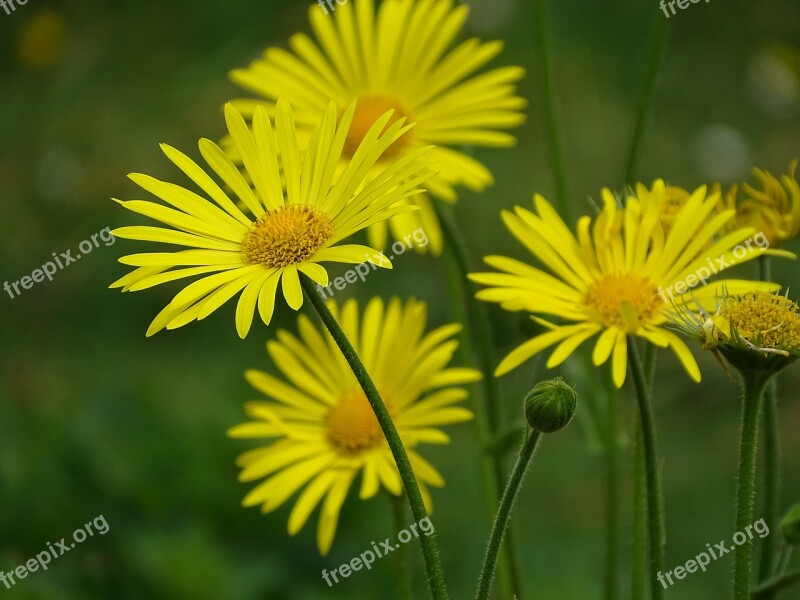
(396, 57)
(322, 430)
(293, 216)
(755, 331)
(773, 205)
(616, 277)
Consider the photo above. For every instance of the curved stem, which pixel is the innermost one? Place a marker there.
(401, 564)
(549, 112)
(745, 490)
(504, 513)
(430, 550)
(772, 451)
(769, 589)
(655, 501)
(487, 410)
(646, 98)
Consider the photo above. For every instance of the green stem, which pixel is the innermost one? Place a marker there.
(639, 551)
(772, 475)
(769, 589)
(401, 562)
(487, 413)
(745, 490)
(655, 501)
(639, 547)
(613, 494)
(654, 62)
(504, 512)
(549, 111)
(430, 550)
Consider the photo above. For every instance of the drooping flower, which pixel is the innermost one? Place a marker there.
(321, 429)
(283, 231)
(617, 276)
(397, 58)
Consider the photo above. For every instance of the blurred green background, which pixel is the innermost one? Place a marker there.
(96, 419)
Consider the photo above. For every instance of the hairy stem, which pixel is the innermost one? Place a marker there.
(772, 462)
(746, 487)
(430, 549)
(504, 513)
(655, 500)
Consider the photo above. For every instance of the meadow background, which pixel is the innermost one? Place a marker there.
(96, 419)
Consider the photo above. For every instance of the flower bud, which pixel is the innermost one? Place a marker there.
(790, 527)
(550, 405)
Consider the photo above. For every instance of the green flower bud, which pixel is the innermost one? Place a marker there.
(550, 405)
(790, 527)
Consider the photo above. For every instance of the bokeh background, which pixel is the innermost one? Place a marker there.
(96, 419)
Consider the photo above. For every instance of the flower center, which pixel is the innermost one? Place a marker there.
(352, 426)
(288, 235)
(766, 320)
(368, 110)
(627, 301)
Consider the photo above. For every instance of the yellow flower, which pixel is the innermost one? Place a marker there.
(774, 206)
(616, 277)
(675, 198)
(397, 59)
(280, 235)
(322, 429)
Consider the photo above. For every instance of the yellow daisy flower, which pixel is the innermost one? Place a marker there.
(616, 277)
(278, 235)
(675, 198)
(774, 206)
(322, 429)
(397, 58)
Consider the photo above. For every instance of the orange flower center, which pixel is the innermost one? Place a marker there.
(627, 301)
(288, 235)
(352, 426)
(368, 110)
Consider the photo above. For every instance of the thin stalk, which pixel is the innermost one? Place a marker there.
(770, 588)
(402, 566)
(430, 549)
(487, 411)
(549, 112)
(745, 490)
(504, 513)
(772, 463)
(639, 549)
(655, 500)
(613, 494)
(654, 61)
